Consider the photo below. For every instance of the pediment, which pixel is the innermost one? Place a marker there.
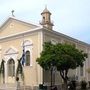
(14, 26)
(10, 51)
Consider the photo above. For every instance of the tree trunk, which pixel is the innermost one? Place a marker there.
(64, 77)
(65, 85)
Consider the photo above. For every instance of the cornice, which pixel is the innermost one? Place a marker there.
(65, 36)
(40, 28)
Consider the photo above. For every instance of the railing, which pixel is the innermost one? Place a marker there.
(14, 87)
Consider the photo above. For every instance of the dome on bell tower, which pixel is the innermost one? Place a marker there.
(46, 11)
(46, 19)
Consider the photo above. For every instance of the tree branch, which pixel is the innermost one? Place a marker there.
(62, 74)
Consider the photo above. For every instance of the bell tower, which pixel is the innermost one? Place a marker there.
(46, 19)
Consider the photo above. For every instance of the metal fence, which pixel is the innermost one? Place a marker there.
(15, 87)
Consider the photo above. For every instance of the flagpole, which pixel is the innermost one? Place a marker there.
(24, 63)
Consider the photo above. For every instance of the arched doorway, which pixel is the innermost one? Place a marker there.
(11, 70)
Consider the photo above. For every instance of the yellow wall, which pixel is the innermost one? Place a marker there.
(32, 74)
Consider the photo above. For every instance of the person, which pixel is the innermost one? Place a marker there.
(18, 83)
(70, 86)
(83, 85)
(74, 85)
(55, 88)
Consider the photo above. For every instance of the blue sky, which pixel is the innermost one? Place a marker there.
(71, 17)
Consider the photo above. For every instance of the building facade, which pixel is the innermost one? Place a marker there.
(16, 34)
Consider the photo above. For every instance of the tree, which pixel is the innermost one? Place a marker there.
(62, 56)
(2, 70)
(19, 70)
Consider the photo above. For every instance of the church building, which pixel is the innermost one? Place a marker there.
(18, 37)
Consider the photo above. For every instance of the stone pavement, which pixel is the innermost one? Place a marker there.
(85, 89)
(88, 89)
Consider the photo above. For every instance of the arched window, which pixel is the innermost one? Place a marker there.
(43, 19)
(11, 68)
(27, 58)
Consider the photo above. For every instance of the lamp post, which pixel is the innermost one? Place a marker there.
(18, 84)
(51, 75)
(53, 70)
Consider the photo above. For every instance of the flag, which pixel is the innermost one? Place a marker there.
(23, 56)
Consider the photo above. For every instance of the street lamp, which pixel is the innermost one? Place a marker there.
(51, 68)
(18, 84)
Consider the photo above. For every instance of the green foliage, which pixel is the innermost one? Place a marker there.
(47, 56)
(69, 57)
(63, 56)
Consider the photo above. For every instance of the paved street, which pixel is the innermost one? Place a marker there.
(86, 89)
